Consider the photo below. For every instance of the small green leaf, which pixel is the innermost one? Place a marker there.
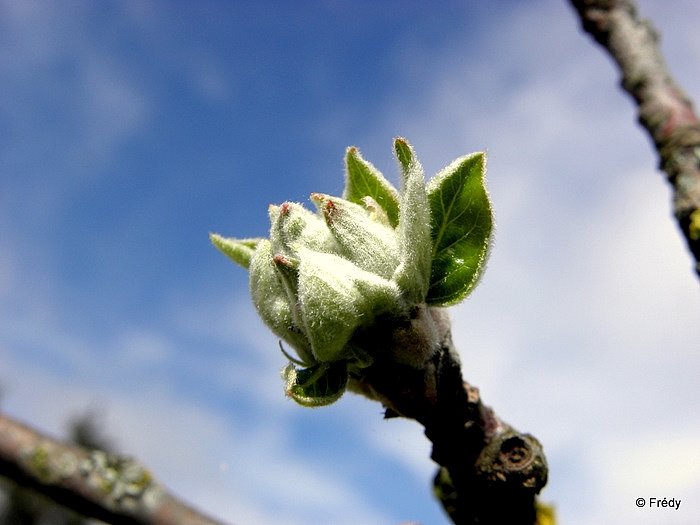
(319, 385)
(413, 273)
(362, 179)
(461, 223)
(239, 250)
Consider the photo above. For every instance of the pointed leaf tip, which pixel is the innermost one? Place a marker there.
(239, 251)
(413, 272)
(404, 152)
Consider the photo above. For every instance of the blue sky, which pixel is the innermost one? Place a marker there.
(130, 130)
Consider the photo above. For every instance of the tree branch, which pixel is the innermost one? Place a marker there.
(112, 488)
(489, 472)
(664, 110)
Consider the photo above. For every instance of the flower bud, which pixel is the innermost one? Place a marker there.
(369, 244)
(273, 302)
(377, 256)
(336, 297)
(291, 223)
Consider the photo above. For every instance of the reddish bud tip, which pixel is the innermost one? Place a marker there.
(316, 196)
(278, 258)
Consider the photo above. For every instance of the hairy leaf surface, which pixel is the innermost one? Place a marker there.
(319, 385)
(461, 223)
(362, 179)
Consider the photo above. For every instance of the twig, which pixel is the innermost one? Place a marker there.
(112, 488)
(664, 110)
(490, 473)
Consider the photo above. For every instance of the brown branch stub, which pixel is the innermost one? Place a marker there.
(513, 459)
(664, 110)
(112, 488)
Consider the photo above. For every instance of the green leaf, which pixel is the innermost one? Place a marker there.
(413, 273)
(461, 223)
(362, 179)
(404, 153)
(316, 386)
(239, 250)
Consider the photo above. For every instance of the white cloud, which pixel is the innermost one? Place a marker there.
(660, 463)
(142, 348)
(263, 479)
(404, 441)
(54, 70)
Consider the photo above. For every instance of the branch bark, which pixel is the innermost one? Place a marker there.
(112, 488)
(489, 472)
(664, 110)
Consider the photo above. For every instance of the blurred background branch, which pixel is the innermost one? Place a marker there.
(665, 110)
(88, 482)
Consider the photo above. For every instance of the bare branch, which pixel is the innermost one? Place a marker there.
(489, 472)
(664, 110)
(112, 488)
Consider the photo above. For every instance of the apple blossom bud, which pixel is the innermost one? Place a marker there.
(272, 301)
(336, 297)
(371, 265)
(369, 244)
(292, 223)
